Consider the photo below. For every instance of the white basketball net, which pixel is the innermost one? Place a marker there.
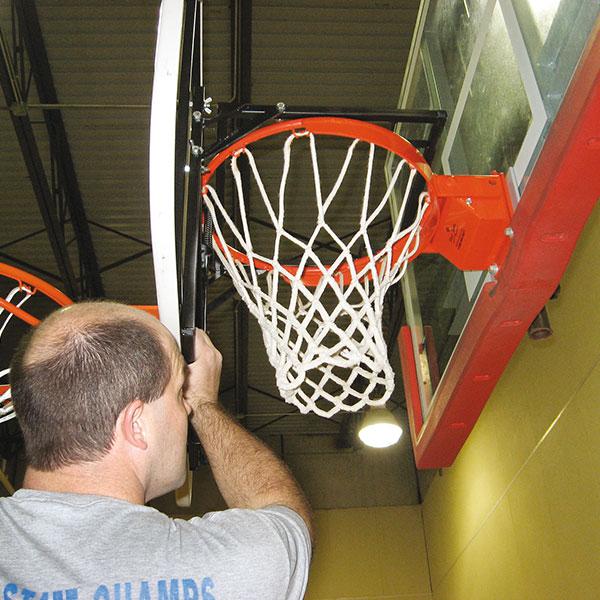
(21, 294)
(319, 377)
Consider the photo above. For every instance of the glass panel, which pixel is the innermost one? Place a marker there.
(497, 114)
(543, 13)
(454, 26)
(555, 33)
(449, 37)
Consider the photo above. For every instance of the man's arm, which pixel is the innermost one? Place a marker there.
(247, 472)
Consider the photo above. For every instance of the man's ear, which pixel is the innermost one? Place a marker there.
(132, 424)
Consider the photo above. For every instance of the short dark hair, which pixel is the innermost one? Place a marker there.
(68, 402)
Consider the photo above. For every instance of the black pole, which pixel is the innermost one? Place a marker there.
(190, 139)
(243, 89)
(192, 97)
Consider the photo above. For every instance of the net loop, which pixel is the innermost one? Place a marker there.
(6, 406)
(321, 323)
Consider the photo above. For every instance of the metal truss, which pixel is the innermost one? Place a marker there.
(23, 61)
(57, 192)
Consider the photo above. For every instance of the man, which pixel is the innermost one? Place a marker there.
(103, 398)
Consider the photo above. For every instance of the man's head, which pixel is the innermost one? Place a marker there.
(98, 378)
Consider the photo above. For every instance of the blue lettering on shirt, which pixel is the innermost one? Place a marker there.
(207, 585)
(190, 589)
(162, 589)
(9, 590)
(101, 593)
(173, 593)
(144, 591)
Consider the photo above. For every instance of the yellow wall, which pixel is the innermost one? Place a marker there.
(518, 514)
(369, 554)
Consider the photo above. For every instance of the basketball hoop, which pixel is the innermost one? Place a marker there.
(322, 320)
(18, 288)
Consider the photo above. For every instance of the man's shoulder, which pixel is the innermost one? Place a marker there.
(253, 520)
(273, 531)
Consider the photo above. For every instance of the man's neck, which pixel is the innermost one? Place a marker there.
(95, 478)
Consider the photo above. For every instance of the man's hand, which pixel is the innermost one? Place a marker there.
(203, 375)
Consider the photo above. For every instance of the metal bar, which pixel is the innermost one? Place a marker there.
(40, 66)
(120, 233)
(222, 130)
(37, 175)
(395, 301)
(306, 433)
(243, 86)
(434, 136)
(221, 299)
(346, 437)
(334, 432)
(190, 260)
(267, 110)
(204, 227)
(270, 422)
(125, 260)
(182, 146)
(395, 116)
(297, 413)
(189, 92)
(240, 358)
(240, 132)
(261, 115)
(68, 105)
(267, 394)
(30, 267)
(244, 73)
(22, 238)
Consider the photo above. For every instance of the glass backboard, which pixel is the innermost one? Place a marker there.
(501, 69)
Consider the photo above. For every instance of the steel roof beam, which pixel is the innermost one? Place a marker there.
(35, 169)
(91, 280)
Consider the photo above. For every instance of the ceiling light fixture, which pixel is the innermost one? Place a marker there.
(379, 428)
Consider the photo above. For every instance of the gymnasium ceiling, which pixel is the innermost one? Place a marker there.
(342, 53)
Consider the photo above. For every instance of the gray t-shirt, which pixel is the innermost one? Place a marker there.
(81, 547)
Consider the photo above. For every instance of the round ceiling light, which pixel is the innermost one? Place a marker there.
(379, 428)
